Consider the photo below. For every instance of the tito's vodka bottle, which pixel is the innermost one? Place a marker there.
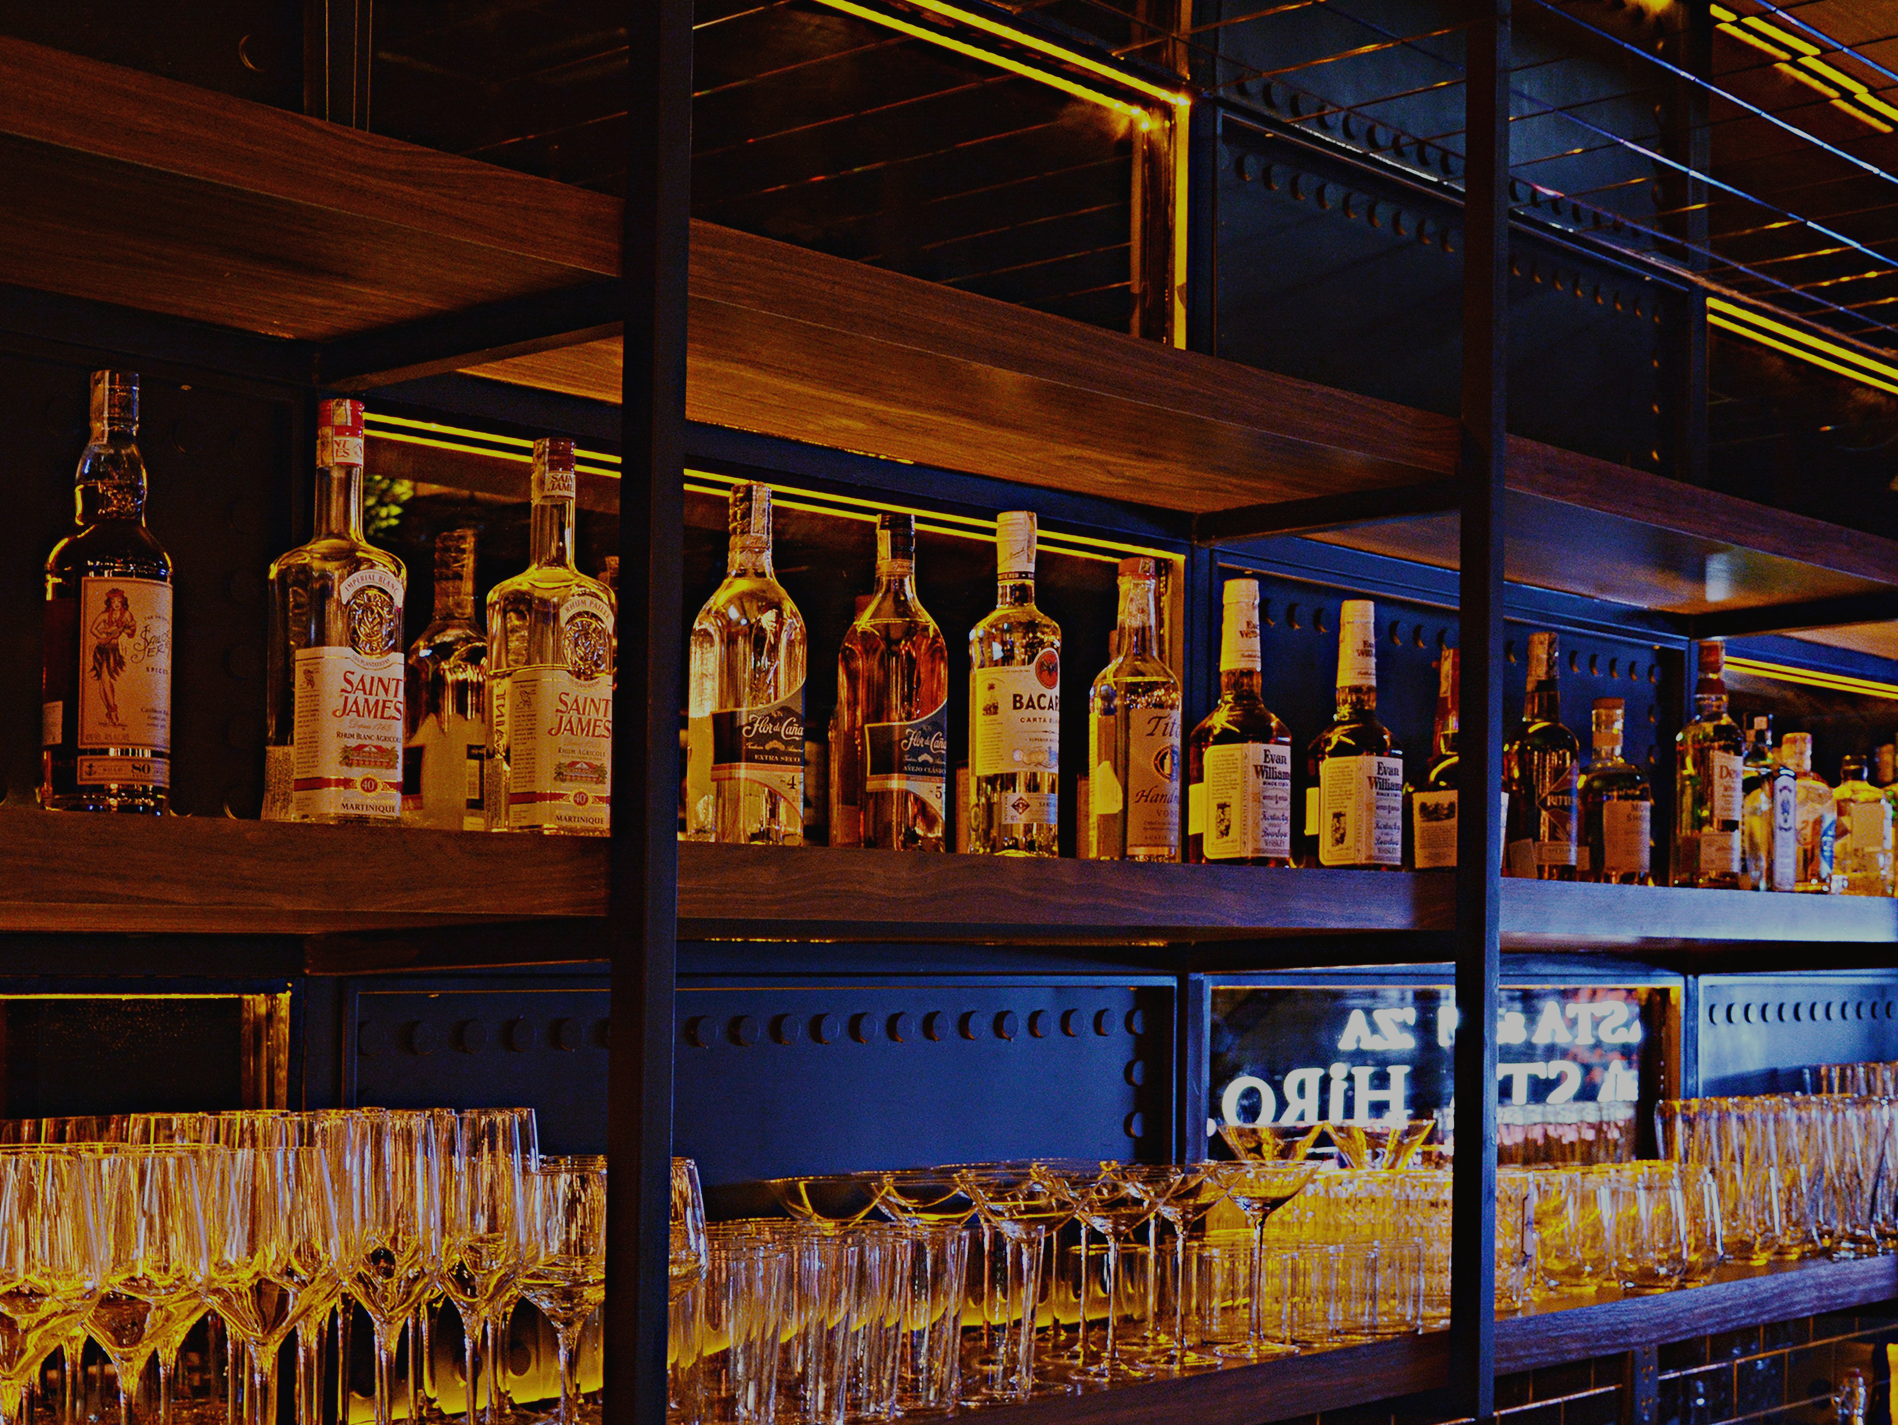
(1709, 754)
(448, 701)
(1133, 734)
(1360, 769)
(1617, 806)
(550, 675)
(335, 718)
(746, 694)
(1239, 759)
(893, 703)
(1541, 773)
(106, 703)
(1014, 708)
(1431, 808)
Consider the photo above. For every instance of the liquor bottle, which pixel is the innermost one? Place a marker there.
(1815, 817)
(746, 692)
(1133, 733)
(1769, 840)
(550, 675)
(1885, 763)
(1541, 772)
(105, 708)
(1430, 806)
(1617, 806)
(846, 769)
(1305, 845)
(1862, 841)
(893, 704)
(1360, 769)
(443, 784)
(1014, 709)
(334, 722)
(1239, 759)
(1708, 754)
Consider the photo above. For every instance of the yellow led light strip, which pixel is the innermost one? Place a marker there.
(1784, 46)
(1836, 682)
(1809, 348)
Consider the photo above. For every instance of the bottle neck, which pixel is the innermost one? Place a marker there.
(110, 483)
(897, 577)
(339, 503)
(1357, 698)
(1241, 683)
(1608, 749)
(1710, 699)
(1446, 731)
(749, 556)
(1014, 591)
(550, 534)
(1136, 636)
(1543, 704)
(454, 598)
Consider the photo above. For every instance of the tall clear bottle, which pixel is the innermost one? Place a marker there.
(1015, 708)
(1862, 841)
(1815, 817)
(1430, 813)
(550, 675)
(335, 718)
(443, 785)
(1709, 754)
(1133, 733)
(1239, 759)
(746, 693)
(1542, 774)
(1360, 767)
(1769, 833)
(893, 704)
(1617, 806)
(105, 706)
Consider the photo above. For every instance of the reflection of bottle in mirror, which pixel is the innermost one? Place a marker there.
(1815, 817)
(1239, 759)
(1862, 844)
(1360, 781)
(845, 790)
(1133, 733)
(447, 700)
(1014, 766)
(1541, 772)
(893, 702)
(1617, 807)
(1430, 812)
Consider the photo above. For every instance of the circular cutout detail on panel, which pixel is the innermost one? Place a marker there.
(565, 1035)
(518, 1035)
(1136, 1125)
(786, 1029)
(372, 1038)
(1038, 1023)
(933, 1024)
(863, 1028)
(699, 1032)
(1136, 1021)
(1104, 1022)
(420, 1037)
(901, 1027)
(966, 1025)
(1071, 1023)
(741, 1031)
(1007, 1024)
(471, 1036)
(826, 1029)
(1136, 1072)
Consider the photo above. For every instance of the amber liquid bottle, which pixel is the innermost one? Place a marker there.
(1541, 770)
(1430, 807)
(1360, 781)
(1239, 759)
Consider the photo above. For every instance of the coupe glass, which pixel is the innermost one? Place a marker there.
(1259, 1189)
(1380, 1145)
(836, 1200)
(1270, 1142)
(565, 1269)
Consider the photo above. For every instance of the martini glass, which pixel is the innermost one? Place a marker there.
(1181, 1195)
(1380, 1145)
(1025, 1211)
(1270, 1142)
(1103, 1200)
(1258, 1190)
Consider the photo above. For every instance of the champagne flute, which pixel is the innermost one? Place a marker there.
(565, 1273)
(687, 1264)
(393, 1227)
(485, 1229)
(1259, 1189)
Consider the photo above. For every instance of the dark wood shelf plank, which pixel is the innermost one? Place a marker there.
(1558, 913)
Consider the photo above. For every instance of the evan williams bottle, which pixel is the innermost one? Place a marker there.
(1360, 807)
(1133, 734)
(335, 716)
(1541, 774)
(1014, 708)
(1709, 758)
(106, 700)
(550, 675)
(1239, 759)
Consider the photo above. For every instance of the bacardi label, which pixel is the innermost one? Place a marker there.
(1433, 830)
(559, 732)
(1153, 782)
(1361, 811)
(764, 746)
(1625, 828)
(1018, 718)
(1247, 801)
(348, 754)
(124, 690)
(909, 756)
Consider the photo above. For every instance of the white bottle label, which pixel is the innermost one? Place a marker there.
(1784, 872)
(1239, 638)
(1196, 809)
(1719, 853)
(1624, 837)
(1433, 830)
(124, 730)
(763, 746)
(1870, 828)
(52, 724)
(348, 734)
(1248, 801)
(1153, 782)
(560, 751)
(1723, 791)
(1017, 718)
(1362, 810)
(910, 757)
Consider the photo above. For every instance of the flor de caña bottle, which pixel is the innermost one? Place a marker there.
(1360, 812)
(746, 694)
(105, 706)
(1014, 708)
(1709, 754)
(1133, 734)
(447, 701)
(1239, 759)
(334, 721)
(1541, 769)
(550, 675)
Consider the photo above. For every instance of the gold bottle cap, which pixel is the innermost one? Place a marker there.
(1139, 566)
(1712, 658)
(1357, 644)
(1796, 749)
(896, 539)
(1542, 658)
(454, 556)
(1449, 676)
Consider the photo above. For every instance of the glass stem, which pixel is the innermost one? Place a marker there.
(386, 1383)
(1255, 1322)
(470, 1382)
(71, 1353)
(309, 1387)
(263, 1377)
(1179, 1295)
(1109, 1354)
(564, 1334)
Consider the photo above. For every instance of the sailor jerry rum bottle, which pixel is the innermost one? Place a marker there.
(550, 675)
(1133, 734)
(105, 709)
(335, 718)
(1541, 769)
(1617, 806)
(1432, 808)
(1239, 759)
(893, 704)
(1360, 769)
(447, 701)
(1708, 757)
(746, 693)
(1014, 708)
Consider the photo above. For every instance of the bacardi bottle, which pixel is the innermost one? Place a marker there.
(893, 704)
(105, 710)
(1432, 809)
(1014, 708)
(1617, 806)
(1360, 768)
(1239, 759)
(447, 701)
(334, 722)
(1541, 772)
(746, 693)
(1862, 844)
(1708, 754)
(1133, 733)
(550, 675)
(1815, 817)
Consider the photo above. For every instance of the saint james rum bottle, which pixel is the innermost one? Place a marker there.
(1360, 769)
(1617, 806)
(1014, 708)
(1239, 759)
(1432, 809)
(550, 675)
(106, 695)
(1708, 757)
(746, 692)
(447, 701)
(1133, 733)
(1541, 769)
(893, 704)
(334, 722)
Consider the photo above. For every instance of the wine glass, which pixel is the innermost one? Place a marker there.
(393, 1225)
(1024, 1210)
(1259, 1189)
(51, 1258)
(565, 1270)
(485, 1229)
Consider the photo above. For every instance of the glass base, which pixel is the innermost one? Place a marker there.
(1255, 1351)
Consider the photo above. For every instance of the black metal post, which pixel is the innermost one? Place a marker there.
(1479, 737)
(643, 909)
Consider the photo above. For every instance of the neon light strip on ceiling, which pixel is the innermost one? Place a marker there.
(1833, 682)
